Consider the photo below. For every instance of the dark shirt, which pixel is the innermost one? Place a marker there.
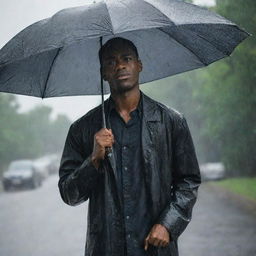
(131, 183)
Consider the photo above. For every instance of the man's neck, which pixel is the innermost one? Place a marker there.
(127, 102)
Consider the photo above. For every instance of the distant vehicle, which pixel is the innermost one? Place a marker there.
(21, 173)
(42, 165)
(54, 163)
(48, 164)
(212, 171)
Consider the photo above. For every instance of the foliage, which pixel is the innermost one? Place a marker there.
(10, 123)
(241, 186)
(31, 134)
(230, 90)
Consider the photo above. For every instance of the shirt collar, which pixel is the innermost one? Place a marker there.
(139, 107)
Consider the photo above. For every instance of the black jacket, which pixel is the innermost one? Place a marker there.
(171, 172)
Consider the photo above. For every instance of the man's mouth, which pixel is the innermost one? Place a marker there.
(122, 76)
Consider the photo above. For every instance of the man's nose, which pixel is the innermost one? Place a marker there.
(120, 64)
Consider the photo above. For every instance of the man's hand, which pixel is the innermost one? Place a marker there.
(102, 139)
(158, 236)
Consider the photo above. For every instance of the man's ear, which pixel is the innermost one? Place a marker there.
(140, 65)
(102, 73)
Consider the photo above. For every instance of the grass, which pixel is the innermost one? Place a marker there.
(241, 186)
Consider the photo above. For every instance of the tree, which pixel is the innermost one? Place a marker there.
(47, 135)
(28, 135)
(10, 136)
(231, 84)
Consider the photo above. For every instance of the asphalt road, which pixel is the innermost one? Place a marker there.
(38, 223)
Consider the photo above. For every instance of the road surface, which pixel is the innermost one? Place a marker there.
(38, 223)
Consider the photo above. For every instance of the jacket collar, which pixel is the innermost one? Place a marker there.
(149, 108)
(111, 105)
(151, 112)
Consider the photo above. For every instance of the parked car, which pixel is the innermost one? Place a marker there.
(54, 163)
(50, 163)
(42, 165)
(212, 171)
(21, 173)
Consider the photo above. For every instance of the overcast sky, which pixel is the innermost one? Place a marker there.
(18, 14)
(204, 2)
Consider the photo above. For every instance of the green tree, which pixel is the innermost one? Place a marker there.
(58, 132)
(10, 137)
(231, 94)
(28, 135)
(47, 135)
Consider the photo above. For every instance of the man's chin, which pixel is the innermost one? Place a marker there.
(124, 87)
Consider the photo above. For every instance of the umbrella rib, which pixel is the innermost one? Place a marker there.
(205, 64)
(216, 47)
(151, 4)
(50, 69)
(109, 17)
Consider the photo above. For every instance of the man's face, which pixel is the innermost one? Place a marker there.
(121, 68)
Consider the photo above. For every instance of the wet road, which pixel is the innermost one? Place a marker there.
(38, 223)
(221, 225)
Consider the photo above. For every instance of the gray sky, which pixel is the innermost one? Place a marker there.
(204, 2)
(15, 15)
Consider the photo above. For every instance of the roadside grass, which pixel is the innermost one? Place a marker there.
(242, 186)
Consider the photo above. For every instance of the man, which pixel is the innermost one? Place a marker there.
(141, 195)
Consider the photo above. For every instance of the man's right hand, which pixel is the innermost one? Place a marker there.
(103, 139)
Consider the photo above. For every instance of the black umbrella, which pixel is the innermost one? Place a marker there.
(59, 56)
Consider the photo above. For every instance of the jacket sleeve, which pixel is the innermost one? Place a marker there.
(186, 180)
(77, 175)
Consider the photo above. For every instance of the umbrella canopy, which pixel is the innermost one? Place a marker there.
(59, 56)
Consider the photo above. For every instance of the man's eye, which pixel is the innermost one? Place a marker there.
(128, 58)
(110, 63)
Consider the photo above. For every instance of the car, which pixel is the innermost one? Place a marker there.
(21, 173)
(42, 165)
(54, 164)
(212, 171)
(48, 164)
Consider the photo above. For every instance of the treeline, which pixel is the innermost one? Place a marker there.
(220, 101)
(31, 134)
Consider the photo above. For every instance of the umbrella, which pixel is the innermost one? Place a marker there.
(58, 56)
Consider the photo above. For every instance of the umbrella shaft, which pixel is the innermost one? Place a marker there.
(102, 96)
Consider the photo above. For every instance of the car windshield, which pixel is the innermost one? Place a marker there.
(20, 165)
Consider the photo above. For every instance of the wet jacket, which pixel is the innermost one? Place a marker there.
(171, 173)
